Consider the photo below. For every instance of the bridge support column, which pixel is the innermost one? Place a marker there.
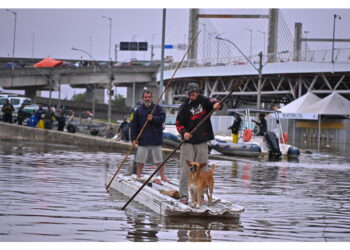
(298, 29)
(272, 35)
(31, 92)
(99, 94)
(192, 32)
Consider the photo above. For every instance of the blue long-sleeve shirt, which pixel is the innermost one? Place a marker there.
(153, 133)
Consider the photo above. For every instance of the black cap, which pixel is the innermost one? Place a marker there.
(192, 87)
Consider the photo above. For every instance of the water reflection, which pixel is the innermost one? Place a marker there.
(199, 229)
(57, 193)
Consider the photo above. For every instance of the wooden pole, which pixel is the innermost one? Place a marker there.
(146, 123)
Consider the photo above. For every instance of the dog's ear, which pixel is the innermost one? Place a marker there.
(188, 163)
(202, 165)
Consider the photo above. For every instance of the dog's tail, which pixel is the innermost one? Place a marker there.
(212, 168)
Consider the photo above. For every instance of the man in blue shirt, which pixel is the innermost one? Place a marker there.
(151, 139)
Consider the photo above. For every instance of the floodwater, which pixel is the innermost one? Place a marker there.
(57, 193)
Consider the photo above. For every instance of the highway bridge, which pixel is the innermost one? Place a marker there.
(282, 81)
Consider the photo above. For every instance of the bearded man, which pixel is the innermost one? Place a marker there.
(151, 138)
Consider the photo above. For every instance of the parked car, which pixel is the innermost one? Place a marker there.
(16, 65)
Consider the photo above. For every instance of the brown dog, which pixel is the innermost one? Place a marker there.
(199, 182)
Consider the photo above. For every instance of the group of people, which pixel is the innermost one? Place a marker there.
(41, 118)
(195, 147)
(235, 127)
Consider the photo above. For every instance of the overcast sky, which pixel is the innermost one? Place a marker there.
(54, 31)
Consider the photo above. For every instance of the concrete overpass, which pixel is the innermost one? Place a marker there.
(94, 78)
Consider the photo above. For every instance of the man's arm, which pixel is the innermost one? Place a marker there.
(160, 117)
(134, 126)
(180, 120)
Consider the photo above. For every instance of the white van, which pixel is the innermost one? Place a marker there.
(16, 102)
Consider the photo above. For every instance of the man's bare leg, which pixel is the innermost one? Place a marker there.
(161, 172)
(139, 170)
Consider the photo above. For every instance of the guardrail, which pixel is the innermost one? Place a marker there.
(322, 56)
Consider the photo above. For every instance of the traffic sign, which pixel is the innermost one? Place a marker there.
(141, 46)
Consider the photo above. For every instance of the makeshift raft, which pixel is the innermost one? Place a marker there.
(165, 205)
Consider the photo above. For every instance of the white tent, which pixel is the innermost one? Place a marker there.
(333, 104)
(297, 105)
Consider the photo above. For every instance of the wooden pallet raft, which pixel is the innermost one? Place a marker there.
(151, 197)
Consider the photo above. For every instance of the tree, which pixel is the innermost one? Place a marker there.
(119, 101)
(79, 97)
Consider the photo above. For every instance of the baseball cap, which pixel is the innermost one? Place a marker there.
(192, 87)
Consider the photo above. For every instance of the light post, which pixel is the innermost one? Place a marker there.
(264, 34)
(110, 36)
(90, 45)
(259, 69)
(251, 42)
(306, 32)
(161, 81)
(33, 45)
(152, 54)
(94, 87)
(14, 34)
(204, 38)
(213, 34)
(334, 18)
(84, 51)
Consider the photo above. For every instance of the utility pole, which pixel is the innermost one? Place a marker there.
(14, 34)
(251, 42)
(258, 103)
(110, 36)
(264, 34)
(110, 93)
(334, 18)
(306, 32)
(161, 82)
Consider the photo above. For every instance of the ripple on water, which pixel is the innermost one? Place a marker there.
(57, 193)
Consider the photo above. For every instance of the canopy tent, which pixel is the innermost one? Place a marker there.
(333, 104)
(297, 105)
(48, 63)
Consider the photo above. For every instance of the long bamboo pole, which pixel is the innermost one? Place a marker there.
(154, 107)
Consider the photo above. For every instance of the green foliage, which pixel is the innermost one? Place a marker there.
(119, 101)
(79, 97)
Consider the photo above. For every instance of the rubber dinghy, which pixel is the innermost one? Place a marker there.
(223, 146)
(156, 197)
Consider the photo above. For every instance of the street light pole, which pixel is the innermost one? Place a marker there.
(259, 70)
(251, 42)
(264, 33)
(152, 47)
(14, 34)
(161, 81)
(110, 93)
(306, 32)
(94, 87)
(110, 36)
(258, 105)
(204, 38)
(334, 18)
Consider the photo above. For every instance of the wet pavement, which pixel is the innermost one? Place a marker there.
(57, 193)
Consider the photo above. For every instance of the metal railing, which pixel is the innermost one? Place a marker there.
(321, 56)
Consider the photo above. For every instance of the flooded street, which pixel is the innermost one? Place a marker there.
(57, 193)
